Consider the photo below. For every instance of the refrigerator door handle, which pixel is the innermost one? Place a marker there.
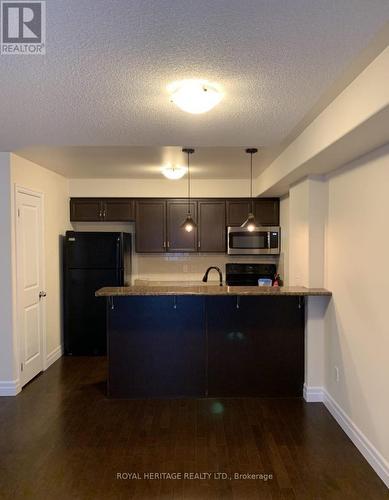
(119, 263)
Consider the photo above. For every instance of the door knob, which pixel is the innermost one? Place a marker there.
(42, 294)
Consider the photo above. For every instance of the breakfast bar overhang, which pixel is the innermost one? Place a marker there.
(206, 341)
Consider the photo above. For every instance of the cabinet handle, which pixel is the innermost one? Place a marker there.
(237, 302)
(168, 244)
(104, 213)
(199, 244)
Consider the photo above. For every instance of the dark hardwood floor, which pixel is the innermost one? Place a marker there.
(61, 438)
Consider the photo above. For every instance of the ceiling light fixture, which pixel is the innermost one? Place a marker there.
(195, 96)
(173, 173)
(188, 224)
(250, 223)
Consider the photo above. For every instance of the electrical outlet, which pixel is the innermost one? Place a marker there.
(336, 373)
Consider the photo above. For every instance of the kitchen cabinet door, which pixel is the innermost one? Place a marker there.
(150, 234)
(255, 346)
(237, 211)
(212, 226)
(267, 211)
(86, 210)
(179, 240)
(119, 210)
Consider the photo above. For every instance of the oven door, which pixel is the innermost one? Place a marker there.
(261, 241)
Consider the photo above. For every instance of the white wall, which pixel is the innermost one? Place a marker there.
(353, 124)
(212, 188)
(308, 201)
(56, 221)
(305, 218)
(338, 237)
(357, 273)
(9, 383)
(299, 234)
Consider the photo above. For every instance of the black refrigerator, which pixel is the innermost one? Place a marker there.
(91, 260)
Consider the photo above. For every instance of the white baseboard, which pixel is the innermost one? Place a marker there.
(368, 450)
(10, 388)
(313, 394)
(13, 387)
(53, 356)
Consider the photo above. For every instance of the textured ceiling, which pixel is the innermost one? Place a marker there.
(103, 79)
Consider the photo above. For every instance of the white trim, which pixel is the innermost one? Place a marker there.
(54, 356)
(10, 388)
(13, 387)
(365, 447)
(313, 394)
(368, 450)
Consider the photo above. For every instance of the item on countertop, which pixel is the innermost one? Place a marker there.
(264, 282)
(277, 280)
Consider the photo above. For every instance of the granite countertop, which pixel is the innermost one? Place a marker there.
(199, 288)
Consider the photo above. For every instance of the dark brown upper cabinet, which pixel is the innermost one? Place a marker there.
(158, 220)
(179, 240)
(119, 210)
(237, 211)
(103, 209)
(267, 211)
(150, 236)
(86, 209)
(212, 226)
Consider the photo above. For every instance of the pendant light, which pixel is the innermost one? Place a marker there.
(250, 223)
(188, 224)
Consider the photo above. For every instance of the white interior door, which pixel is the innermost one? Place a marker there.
(30, 292)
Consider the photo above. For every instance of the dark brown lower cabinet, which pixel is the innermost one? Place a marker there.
(197, 346)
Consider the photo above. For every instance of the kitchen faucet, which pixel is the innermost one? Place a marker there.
(205, 278)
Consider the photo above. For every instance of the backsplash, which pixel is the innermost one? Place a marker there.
(187, 267)
(177, 266)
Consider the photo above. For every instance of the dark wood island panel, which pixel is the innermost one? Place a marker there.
(205, 346)
(156, 347)
(255, 346)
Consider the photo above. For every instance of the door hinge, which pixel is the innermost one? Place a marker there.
(18, 212)
(21, 367)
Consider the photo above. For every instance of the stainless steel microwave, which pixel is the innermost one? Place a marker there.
(263, 240)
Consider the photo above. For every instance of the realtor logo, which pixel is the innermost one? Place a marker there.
(23, 28)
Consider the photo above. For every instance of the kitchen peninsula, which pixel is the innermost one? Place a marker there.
(205, 340)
